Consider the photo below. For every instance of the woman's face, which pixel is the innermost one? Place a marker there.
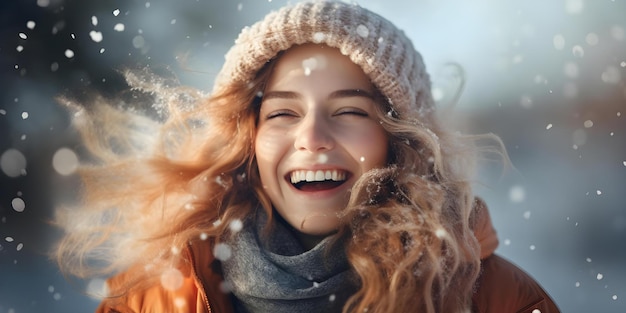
(318, 132)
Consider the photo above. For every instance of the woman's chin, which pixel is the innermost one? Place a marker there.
(319, 224)
(314, 228)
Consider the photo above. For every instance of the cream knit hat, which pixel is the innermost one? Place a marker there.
(382, 50)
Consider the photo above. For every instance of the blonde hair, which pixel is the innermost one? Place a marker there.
(154, 185)
(413, 245)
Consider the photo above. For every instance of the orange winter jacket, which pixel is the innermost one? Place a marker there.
(501, 287)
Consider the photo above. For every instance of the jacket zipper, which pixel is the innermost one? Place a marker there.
(205, 297)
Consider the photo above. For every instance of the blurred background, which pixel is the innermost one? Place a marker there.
(547, 76)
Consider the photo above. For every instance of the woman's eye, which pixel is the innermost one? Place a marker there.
(280, 113)
(356, 112)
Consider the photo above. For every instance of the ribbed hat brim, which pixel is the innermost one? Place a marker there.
(383, 51)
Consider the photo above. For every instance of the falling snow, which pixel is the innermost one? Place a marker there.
(441, 233)
(578, 51)
(558, 41)
(313, 63)
(579, 137)
(172, 279)
(526, 102)
(69, 53)
(438, 95)
(139, 42)
(611, 75)
(318, 37)
(592, 39)
(236, 225)
(180, 302)
(13, 163)
(97, 288)
(309, 65)
(175, 250)
(362, 31)
(95, 36)
(574, 6)
(18, 205)
(517, 194)
(222, 251)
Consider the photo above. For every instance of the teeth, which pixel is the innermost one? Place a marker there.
(311, 176)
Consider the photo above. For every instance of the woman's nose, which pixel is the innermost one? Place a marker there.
(314, 134)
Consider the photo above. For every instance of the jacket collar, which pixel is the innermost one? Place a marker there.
(208, 275)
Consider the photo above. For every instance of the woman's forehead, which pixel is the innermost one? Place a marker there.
(314, 62)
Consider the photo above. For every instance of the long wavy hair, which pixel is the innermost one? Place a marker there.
(152, 184)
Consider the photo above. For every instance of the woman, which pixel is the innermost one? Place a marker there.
(315, 178)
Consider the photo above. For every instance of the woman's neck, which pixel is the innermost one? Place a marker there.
(307, 241)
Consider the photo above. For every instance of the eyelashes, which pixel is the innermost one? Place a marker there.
(352, 111)
(341, 112)
(280, 113)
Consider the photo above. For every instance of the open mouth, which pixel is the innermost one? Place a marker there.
(318, 180)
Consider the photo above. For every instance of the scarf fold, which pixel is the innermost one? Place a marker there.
(276, 274)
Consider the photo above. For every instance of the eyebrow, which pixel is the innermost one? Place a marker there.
(351, 93)
(343, 93)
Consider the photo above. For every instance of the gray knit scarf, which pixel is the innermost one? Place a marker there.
(276, 274)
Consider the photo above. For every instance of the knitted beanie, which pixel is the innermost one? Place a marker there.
(382, 50)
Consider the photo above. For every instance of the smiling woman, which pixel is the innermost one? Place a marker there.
(316, 177)
(327, 113)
